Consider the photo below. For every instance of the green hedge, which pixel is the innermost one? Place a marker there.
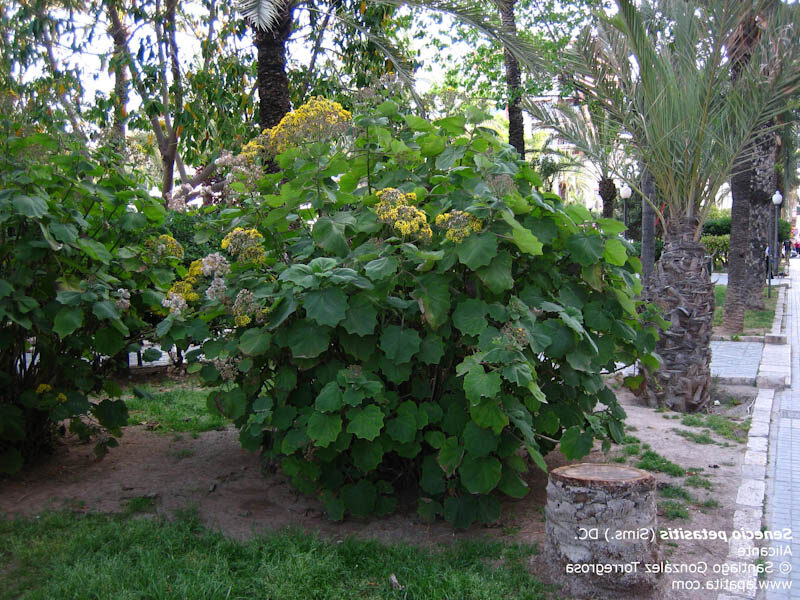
(716, 227)
(722, 226)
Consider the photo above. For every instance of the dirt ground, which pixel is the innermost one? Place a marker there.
(213, 474)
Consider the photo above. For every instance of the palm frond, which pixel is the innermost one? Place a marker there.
(487, 22)
(390, 51)
(264, 14)
(670, 89)
(590, 132)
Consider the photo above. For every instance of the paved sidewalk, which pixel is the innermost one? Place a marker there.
(783, 468)
(736, 362)
(719, 278)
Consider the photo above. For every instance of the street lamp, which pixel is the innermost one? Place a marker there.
(777, 198)
(625, 193)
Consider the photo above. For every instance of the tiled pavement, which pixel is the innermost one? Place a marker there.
(736, 362)
(783, 468)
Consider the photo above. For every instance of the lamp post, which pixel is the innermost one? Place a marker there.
(625, 194)
(777, 198)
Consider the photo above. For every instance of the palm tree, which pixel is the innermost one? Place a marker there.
(591, 130)
(664, 77)
(272, 22)
(516, 127)
(272, 81)
(752, 185)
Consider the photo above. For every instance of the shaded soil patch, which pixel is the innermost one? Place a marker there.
(224, 483)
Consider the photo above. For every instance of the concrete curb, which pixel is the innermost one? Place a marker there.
(775, 368)
(749, 511)
(778, 333)
(774, 373)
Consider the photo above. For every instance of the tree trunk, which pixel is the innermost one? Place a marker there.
(736, 295)
(682, 289)
(119, 35)
(761, 221)
(752, 184)
(608, 191)
(648, 231)
(273, 84)
(516, 126)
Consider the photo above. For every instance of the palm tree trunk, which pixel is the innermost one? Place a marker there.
(738, 255)
(273, 84)
(119, 35)
(752, 184)
(682, 289)
(608, 191)
(648, 231)
(763, 185)
(516, 125)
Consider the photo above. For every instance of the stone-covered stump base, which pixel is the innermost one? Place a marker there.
(602, 530)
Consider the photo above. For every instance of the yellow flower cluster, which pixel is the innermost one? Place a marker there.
(185, 287)
(195, 269)
(316, 120)
(459, 225)
(164, 246)
(46, 388)
(245, 244)
(395, 210)
(253, 148)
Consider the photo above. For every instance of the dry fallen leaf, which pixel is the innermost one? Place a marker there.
(395, 584)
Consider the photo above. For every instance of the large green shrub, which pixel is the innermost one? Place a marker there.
(406, 312)
(71, 266)
(718, 247)
(717, 226)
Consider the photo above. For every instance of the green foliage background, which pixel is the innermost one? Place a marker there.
(72, 263)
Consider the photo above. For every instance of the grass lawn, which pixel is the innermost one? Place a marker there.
(171, 407)
(61, 555)
(753, 319)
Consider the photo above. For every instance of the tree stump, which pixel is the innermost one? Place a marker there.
(602, 530)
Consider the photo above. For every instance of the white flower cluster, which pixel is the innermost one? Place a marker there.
(215, 265)
(123, 301)
(186, 194)
(227, 368)
(176, 199)
(241, 165)
(244, 307)
(174, 302)
(216, 291)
